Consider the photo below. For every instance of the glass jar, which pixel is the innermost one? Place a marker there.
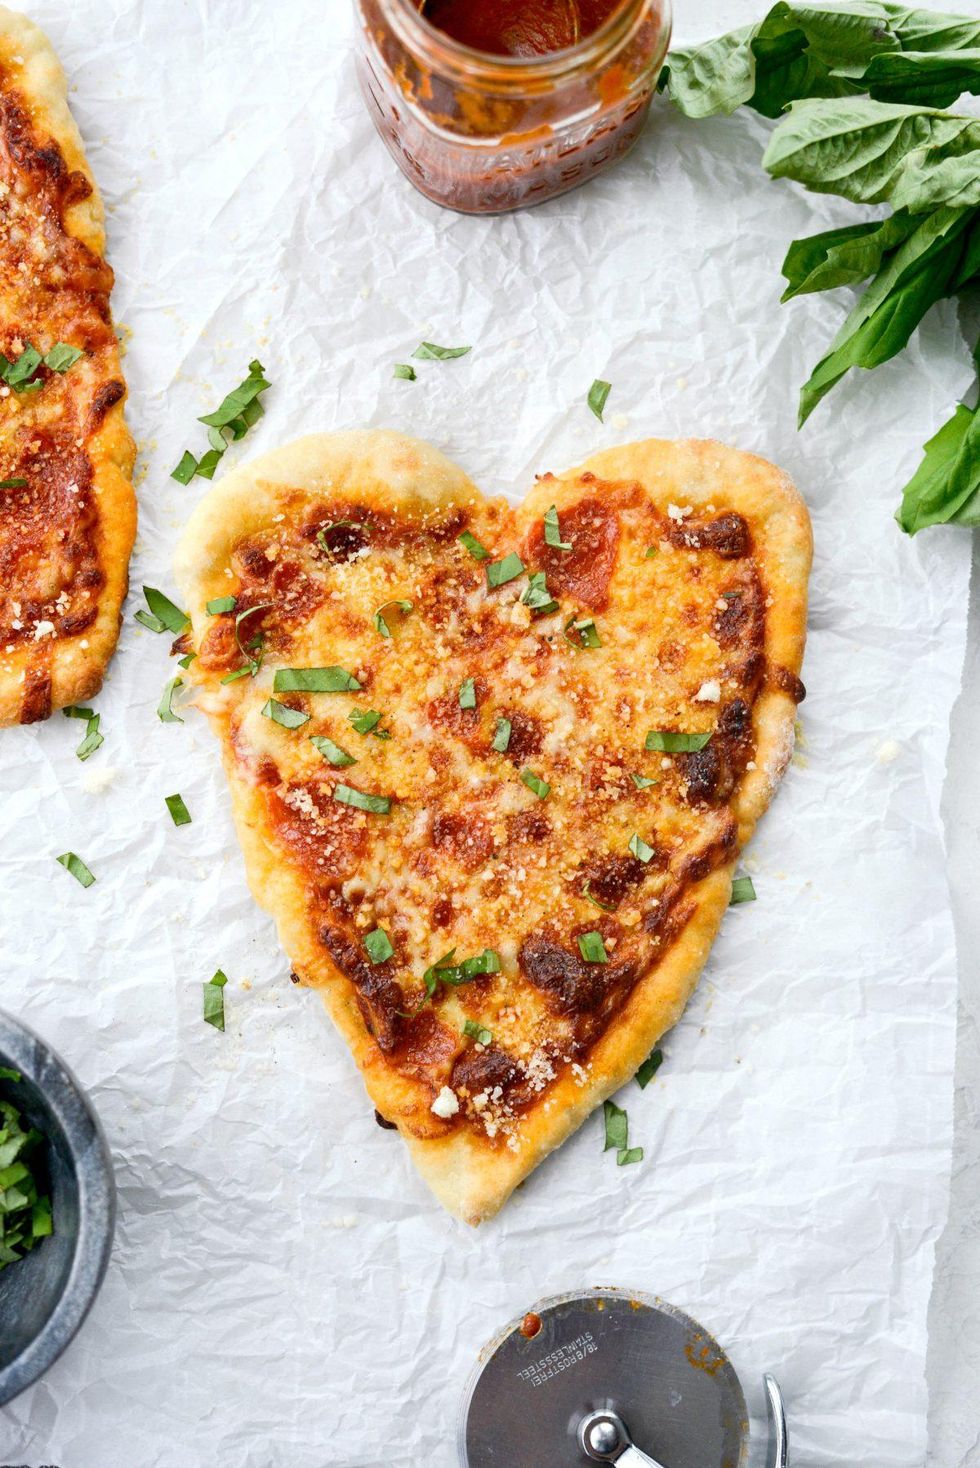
(482, 133)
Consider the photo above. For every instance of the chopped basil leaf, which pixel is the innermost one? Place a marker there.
(42, 1224)
(598, 393)
(255, 644)
(321, 535)
(92, 741)
(221, 604)
(617, 1126)
(467, 694)
(378, 805)
(16, 374)
(239, 412)
(207, 464)
(743, 890)
(646, 1072)
(445, 971)
(475, 1031)
(62, 356)
(367, 723)
(617, 1135)
(650, 552)
(25, 1216)
(379, 946)
(379, 622)
(314, 680)
(238, 400)
(338, 757)
(586, 634)
(179, 813)
(250, 416)
(428, 351)
(640, 849)
(13, 483)
(500, 572)
(187, 659)
(214, 1001)
(605, 906)
(477, 551)
(552, 530)
(405, 371)
(165, 712)
(537, 596)
(77, 867)
(534, 782)
(501, 738)
(672, 743)
(186, 469)
(487, 962)
(431, 976)
(163, 616)
(6, 1074)
(643, 782)
(592, 948)
(281, 713)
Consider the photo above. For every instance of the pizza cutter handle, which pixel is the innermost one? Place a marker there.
(634, 1458)
(778, 1435)
(605, 1438)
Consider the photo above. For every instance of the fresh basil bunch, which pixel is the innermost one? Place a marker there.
(860, 89)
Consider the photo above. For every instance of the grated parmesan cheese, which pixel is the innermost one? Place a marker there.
(446, 1103)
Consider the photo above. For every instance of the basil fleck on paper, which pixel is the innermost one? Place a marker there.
(271, 1251)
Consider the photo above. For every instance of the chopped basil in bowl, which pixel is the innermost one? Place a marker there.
(46, 1291)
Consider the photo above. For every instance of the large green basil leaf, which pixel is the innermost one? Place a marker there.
(716, 77)
(945, 489)
(913, 278)
(914, 157)
(797, 51)
(969, 267)
(843, 256)
(931, 30)
(846, 37)
(923, 78)
(824, 50)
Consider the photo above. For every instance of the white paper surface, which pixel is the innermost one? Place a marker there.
(283, 1290)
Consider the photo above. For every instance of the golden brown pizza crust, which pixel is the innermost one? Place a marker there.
(687, 483)
(66, 539)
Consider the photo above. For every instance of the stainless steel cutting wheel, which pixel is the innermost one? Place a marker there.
(608, 1377)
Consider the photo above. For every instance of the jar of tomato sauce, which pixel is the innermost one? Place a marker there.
(489, 105)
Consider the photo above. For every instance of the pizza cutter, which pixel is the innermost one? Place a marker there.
(609, 1377)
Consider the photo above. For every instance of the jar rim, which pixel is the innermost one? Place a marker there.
(418, 33)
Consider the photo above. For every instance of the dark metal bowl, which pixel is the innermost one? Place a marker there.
(45, 1296)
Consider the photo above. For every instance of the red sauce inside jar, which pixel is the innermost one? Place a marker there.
(518, 27)
(489, 105)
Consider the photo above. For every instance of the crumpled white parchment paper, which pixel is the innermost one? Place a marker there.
(283, 1290)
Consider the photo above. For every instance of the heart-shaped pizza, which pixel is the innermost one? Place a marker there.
(491, 768)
